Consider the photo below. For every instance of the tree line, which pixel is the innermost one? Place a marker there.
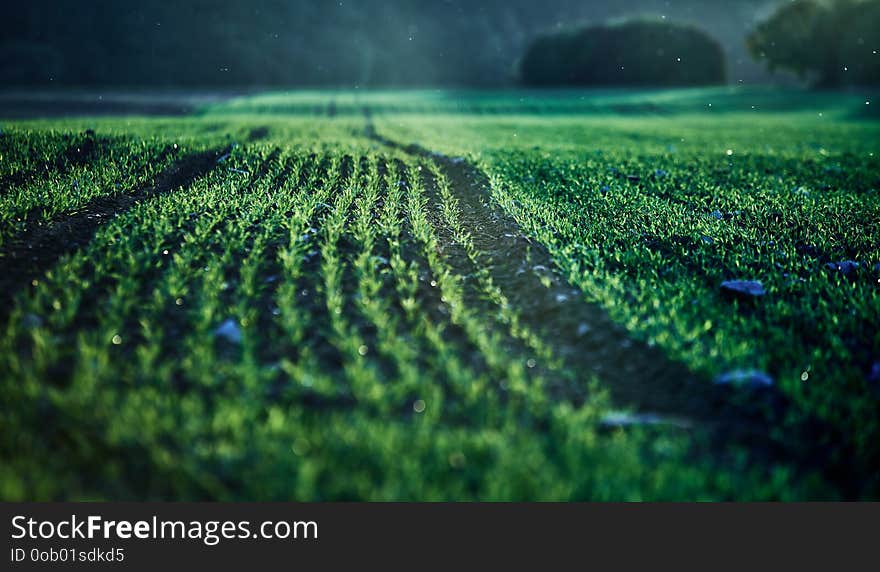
(829, 43)
(368, 43)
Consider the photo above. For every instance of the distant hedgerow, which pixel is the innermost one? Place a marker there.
(634, 52)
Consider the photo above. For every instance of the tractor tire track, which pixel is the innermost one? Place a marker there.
(581, 334)
(31, 253)
(637, 375)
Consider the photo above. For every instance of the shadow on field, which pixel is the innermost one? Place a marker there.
(662, 391)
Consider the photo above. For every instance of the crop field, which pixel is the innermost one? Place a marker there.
(573, 295)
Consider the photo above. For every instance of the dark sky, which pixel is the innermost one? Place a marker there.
(320, 42)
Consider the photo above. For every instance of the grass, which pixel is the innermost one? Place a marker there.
(320, 316)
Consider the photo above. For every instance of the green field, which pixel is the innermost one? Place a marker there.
(445, 296)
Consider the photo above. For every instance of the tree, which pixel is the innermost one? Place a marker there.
(830, 42)
(633, 52)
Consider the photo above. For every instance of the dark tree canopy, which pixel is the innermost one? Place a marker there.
(210, 43)
(635, 52)
(831, 42)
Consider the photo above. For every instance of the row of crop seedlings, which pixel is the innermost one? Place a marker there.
(86, 349)
(429, 378)
(503, 342)
(75, 171)
(133, 317)
(152, 345)
(102, 286)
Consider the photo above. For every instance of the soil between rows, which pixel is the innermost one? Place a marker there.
(30, 254)
(638, 376)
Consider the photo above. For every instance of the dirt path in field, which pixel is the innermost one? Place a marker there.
(638, 376)
(580, 333)
(27, 256)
